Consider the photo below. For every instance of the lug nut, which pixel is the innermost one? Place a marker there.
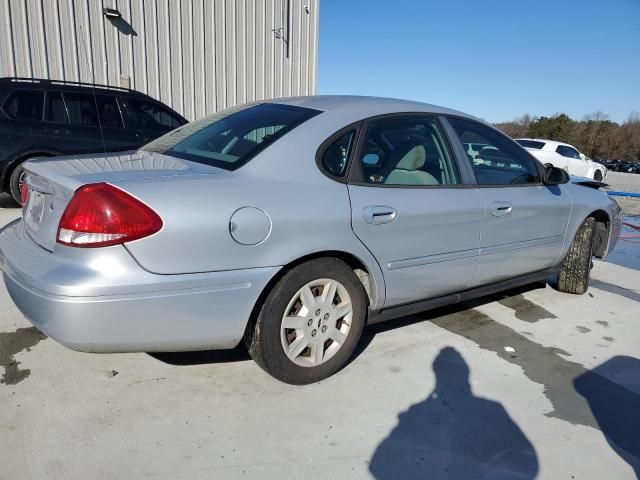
(309, 322)
(318, 311)
(313, 334)
(324, 329)
(326, 316)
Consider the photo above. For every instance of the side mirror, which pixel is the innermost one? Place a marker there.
(554, 175)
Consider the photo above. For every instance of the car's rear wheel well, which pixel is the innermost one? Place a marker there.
(354, 262)
(601, 236)
(6, 176)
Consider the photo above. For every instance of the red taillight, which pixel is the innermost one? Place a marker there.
(100, 214)
(24, 193)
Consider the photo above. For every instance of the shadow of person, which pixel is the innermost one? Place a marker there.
(454, 434)
(616, 408)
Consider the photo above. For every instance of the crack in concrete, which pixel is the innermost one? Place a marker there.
(12, 343)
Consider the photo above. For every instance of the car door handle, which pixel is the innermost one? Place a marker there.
(378, 214)
(500, 209)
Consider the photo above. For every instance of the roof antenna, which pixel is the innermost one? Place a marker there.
(93, 88)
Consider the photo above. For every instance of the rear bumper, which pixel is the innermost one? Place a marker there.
(100, 300)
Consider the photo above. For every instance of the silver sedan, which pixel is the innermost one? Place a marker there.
(291, 224)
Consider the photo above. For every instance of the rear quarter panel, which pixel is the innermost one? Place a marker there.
(309, 213)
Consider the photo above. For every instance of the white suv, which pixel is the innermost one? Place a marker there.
(565, 156)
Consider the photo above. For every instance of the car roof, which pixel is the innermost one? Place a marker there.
(355, 103)
(69, 85)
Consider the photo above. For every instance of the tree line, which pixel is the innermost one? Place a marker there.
(595, 135)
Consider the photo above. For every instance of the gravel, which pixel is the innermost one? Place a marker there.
(625, 182)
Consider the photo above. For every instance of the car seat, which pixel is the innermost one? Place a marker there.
(411, 157)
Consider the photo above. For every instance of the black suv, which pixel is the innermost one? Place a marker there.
(48, 118)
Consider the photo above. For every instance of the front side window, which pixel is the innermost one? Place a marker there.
(231, 138)
(81, 108)
(406, 151)
(145, 115)
(499, 161)
(25, 105)
(568, 152)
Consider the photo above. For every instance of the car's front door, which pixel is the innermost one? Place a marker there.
(525, 221)
(412, 210)
(575, 164)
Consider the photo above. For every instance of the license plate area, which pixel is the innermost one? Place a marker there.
(34, 209)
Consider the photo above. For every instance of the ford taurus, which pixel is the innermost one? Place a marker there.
(290, 224)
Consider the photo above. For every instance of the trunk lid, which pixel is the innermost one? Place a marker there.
(52, 183)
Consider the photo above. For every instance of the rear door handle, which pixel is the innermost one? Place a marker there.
(500, 209)
(378, 214)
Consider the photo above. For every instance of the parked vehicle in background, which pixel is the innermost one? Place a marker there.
(292, 223)
(46, 118)
(629, 167)
(611, 165)
(565, 156)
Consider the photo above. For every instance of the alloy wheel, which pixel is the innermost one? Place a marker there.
(316, 322)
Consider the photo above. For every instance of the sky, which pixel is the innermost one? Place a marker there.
(490, 58)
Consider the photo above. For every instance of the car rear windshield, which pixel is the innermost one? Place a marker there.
(531, 144)
(231, 138)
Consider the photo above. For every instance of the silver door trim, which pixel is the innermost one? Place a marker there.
(438, 258)
(507, 247)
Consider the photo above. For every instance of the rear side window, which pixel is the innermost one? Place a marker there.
(406, 151)
(108, 111)
(144, 115)
(82, 109)
(56, 111)
(531, 144)
(25, 104)
(231, 138)
(499, 162)
(335, 156)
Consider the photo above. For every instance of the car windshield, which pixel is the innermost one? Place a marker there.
(231, 138)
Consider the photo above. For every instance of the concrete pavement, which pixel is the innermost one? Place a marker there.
(532, 384)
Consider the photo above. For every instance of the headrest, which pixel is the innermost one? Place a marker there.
(413, 158)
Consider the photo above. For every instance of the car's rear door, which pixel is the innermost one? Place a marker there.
(82, 134)
(412, 209)
(116, 137)
(525, 221)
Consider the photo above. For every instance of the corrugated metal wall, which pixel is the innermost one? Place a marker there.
(198, 56)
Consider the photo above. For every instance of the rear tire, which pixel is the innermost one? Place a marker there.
(576, 267)
(15, 180)
(324, 304)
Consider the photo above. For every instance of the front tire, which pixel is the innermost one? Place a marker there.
(597, 176)
(310, 323)
(576, 267)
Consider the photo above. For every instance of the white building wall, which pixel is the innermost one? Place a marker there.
(197, 56)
